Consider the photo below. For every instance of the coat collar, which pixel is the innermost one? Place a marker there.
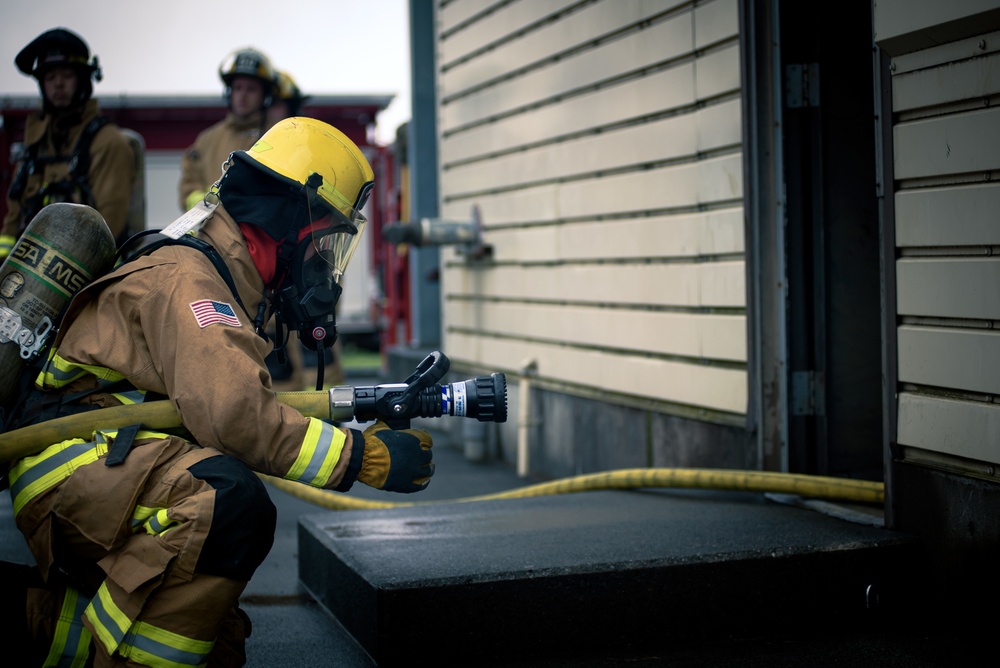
(37, 125)
(224, 235)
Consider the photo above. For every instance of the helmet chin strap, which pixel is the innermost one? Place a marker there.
(258, 322)
(320, 366)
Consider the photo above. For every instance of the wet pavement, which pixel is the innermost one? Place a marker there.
(605, 578)
(290, 627)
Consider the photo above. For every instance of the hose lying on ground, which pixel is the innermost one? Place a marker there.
(162, 415)
(818, 487)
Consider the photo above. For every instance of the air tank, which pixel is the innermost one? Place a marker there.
(64, 247)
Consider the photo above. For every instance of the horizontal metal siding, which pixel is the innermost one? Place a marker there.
(948, 146)
(946, 142)
(971, 212)
(961, 288)
(679, 334)
(576, 51)
(601, 143)
(719, 388)
(718, 232)
(961, 428)
(692, 284)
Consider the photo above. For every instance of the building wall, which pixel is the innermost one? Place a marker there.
(945, 160)
(601, 144)
(941, 65)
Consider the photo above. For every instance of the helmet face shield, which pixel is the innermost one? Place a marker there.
(337, 225)
(324, 180)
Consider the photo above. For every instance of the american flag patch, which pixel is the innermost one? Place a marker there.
(209, 312)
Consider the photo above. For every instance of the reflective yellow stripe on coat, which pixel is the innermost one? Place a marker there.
(318, 455)
(59, 372)
(6, 245)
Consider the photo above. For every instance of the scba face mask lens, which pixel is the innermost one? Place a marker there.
(309, 301)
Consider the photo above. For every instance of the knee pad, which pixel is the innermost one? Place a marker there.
(243, 522)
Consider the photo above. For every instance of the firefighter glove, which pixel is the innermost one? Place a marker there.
(395, 460)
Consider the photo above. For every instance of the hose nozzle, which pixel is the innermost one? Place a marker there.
(482, 397)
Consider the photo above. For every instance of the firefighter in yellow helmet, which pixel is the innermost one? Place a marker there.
(288, 98)
(72, 153)
(249, 81)
(146, 540)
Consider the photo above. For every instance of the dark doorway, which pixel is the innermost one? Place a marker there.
(832, 240)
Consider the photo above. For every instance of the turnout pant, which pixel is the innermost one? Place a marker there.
(143, 561)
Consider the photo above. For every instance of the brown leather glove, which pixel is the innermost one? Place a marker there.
(395, 460)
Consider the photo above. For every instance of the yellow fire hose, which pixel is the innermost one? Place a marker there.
(816, 487)
(162, 415)
(154, 415)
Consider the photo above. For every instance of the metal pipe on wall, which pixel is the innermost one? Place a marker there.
(529, 367)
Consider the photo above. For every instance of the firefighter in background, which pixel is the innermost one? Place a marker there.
(249, 88)
(71, 152)
(288, 99)
(146, 540)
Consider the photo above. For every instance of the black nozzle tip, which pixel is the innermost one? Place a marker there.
(492, 402)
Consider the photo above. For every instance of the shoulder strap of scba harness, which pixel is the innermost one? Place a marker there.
(190, 242)
(79, 160)
(79, 164)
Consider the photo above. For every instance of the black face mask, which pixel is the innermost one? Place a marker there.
(306, 300)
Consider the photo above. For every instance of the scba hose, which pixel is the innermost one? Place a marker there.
(808, 486)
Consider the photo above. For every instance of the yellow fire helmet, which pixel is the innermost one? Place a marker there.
(285, 87)
(322, 158)
(332, 170)
(288, 92)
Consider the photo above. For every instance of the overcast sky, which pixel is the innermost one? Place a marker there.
(165, 47)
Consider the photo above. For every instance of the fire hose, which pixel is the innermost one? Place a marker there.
(419, 396)
(808, 486)
(483, 398)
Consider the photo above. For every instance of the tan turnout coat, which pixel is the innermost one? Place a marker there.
(201, 164)
(111, 174)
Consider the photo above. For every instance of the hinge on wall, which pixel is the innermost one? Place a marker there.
(808, 393)
(802, 85)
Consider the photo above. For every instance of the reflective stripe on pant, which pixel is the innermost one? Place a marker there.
(37, 474)
(70, 646)
(58, 613)
(135, 533)
(146, 643)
